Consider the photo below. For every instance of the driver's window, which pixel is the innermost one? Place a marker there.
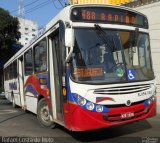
(144, 53)
(109, 62)
(94, 55)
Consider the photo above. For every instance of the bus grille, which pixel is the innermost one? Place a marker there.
(123, 105)
(122, 89)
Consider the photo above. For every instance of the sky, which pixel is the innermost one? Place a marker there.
(40, 11)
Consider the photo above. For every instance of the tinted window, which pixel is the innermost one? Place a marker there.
(104, 55)
(10, 71)
(15, 69)
(5, 74)
(40, 56)
(28, 62)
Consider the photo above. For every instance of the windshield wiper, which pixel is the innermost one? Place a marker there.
(109, 41)
(113, 42)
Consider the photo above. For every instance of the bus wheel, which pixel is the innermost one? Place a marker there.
(43, 114)
(13, 101)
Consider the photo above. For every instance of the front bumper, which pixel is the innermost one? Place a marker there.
(80, 119)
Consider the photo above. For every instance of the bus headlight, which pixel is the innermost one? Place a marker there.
(149, 101)
(152, 98)
(81, 101)
(90, 106)
(99, 108)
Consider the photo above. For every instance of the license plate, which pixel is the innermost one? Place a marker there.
(127, 115)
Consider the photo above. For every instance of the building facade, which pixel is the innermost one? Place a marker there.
(28, 30)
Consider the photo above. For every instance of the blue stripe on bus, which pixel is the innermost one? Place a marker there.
(32, 90)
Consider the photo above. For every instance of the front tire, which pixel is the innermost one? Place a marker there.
(43, 114)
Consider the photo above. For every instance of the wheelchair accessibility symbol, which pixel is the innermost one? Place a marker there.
(131, 74)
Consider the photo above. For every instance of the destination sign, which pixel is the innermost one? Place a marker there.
(88, 72)
(108, 15)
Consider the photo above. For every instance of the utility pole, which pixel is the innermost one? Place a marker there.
(21, 8)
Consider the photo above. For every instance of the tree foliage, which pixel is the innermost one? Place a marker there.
(9, 34)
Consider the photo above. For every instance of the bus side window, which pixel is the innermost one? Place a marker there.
(44, 62)
(28, 62)
(10, 71)
(5, 74)
(15, 69)
(40, 56)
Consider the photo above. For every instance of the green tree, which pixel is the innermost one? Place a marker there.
(9, 34)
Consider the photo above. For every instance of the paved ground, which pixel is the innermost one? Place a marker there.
(16, 122)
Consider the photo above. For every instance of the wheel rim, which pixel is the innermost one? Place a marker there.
(45, 113)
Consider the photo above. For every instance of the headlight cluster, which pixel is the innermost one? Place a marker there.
(90, 105)
(99, 108)
(81, 101)
(150, 100)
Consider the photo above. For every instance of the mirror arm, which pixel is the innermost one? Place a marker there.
(136, 34)
(69, 55)
(71, 48)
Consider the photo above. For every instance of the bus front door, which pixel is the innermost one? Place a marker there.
(55, 78)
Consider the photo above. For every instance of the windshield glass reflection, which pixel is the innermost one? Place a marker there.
(110, 56)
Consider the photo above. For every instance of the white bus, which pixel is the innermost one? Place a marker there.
(89, 68)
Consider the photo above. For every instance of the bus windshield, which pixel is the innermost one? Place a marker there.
(109, 56)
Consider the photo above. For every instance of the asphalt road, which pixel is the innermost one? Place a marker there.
(18, 123)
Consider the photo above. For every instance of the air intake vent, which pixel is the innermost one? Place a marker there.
(122, 89)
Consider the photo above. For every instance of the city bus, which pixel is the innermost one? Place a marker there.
(90, 67)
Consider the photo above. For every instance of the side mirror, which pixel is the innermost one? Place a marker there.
(69, 42)
(69, 37)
